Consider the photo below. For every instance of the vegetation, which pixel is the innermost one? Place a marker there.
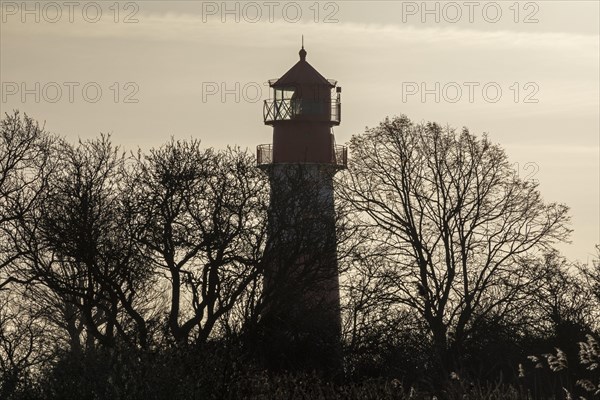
(140, 276)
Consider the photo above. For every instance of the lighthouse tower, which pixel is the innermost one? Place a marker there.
(302, 305)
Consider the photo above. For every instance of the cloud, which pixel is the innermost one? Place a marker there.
(190, 27)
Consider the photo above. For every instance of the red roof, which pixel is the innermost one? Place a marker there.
(302, 74)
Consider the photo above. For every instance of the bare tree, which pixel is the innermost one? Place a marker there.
(562, 296)
(77, 244)
(24, 167)
(200, 216)
(24, 343)
(452, 221)
(591, 277)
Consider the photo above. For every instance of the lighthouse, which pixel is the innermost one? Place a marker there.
(301, 316)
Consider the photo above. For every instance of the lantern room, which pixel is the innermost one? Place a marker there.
(303, 93)
(303, 110)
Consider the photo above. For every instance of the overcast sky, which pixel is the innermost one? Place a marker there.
(526, 73)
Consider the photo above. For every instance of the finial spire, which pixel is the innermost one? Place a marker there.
(302, 51)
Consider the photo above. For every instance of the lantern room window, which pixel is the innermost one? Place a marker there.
(284, 93)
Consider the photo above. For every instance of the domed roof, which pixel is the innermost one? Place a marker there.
(302, 74)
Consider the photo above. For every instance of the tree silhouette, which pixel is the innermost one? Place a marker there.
(449, 223)
(199, 216)
(25, 151)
